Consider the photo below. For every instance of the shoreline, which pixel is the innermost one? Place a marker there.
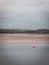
(26, 38)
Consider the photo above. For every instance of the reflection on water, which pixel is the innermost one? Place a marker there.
(24, 54)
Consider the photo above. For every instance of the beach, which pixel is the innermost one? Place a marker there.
(14, 38)
(24, 49)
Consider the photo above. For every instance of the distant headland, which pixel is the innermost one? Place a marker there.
(37, 31)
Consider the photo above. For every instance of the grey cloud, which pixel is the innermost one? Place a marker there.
(27, 14)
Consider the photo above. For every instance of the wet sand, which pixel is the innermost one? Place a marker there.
(14, 38)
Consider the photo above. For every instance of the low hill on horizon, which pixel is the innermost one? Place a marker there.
(38, 31)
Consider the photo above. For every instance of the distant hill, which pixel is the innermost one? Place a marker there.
(38, 31)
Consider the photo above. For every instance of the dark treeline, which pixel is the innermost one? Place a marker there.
(38, 31)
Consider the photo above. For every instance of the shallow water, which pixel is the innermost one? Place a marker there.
(24, 54)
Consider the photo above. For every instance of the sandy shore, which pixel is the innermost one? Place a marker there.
(14, 38)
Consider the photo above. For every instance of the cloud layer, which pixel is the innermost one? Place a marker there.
(24, 14)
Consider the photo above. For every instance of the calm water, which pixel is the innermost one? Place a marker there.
(24, 54)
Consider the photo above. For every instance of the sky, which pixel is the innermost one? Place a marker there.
(24, 14)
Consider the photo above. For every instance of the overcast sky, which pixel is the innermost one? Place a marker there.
(24, 14)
